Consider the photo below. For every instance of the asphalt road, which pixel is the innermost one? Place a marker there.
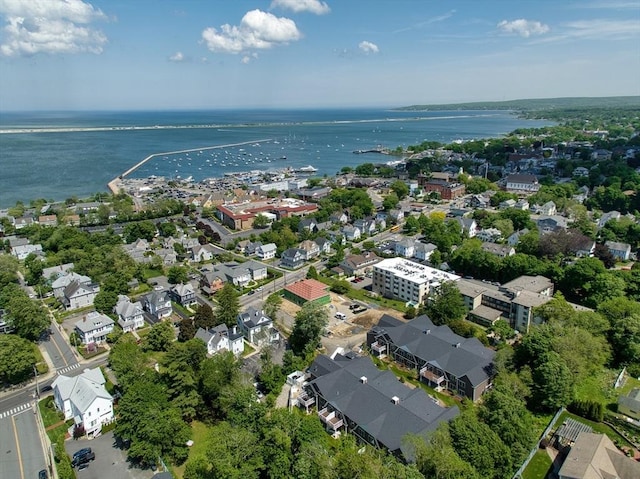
(21, 450)
(59, 351)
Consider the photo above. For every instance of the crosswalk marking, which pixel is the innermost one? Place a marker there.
(68, 368)
(16, 410)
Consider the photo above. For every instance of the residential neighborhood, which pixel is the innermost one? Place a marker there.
(458, 295)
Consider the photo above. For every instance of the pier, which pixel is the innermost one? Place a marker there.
(114, 185)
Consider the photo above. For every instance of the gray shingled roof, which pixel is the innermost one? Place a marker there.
(442, 347)
(370, 403)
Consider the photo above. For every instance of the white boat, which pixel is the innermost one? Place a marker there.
(306, 169)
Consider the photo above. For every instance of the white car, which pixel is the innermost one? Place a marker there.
(340, 315)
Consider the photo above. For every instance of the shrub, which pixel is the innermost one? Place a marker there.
(588, 409)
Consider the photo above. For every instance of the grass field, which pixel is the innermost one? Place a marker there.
(199, 432)
(538, 466)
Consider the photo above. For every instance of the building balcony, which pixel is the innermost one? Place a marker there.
(379, 348)
(330, 419)
(305, 400)
(433, 377)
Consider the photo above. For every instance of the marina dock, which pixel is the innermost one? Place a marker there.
(114, 185)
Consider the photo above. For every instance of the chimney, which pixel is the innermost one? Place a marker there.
(363, 379)
(395, 400)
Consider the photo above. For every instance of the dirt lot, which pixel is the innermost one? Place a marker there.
(349, 333)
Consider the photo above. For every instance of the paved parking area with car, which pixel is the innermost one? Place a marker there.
(110, 461)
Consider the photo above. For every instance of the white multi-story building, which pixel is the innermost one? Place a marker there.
(85, 400)
(407, 280)
(94, 327)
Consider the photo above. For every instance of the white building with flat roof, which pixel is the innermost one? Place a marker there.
(407, 280)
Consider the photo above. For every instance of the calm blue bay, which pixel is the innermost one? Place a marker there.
(59, 155)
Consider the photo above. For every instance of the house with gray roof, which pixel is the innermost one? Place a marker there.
(201, 253)
(351, 394)
(130, 314)
(405, 247)
(65, 279)
(84, 399)
(94, 327)
(351, 233)
(266, 251)
(79, 295)
(22, 251)
(158, 305)
(293, 258)
(500, 250)
(608, 216)
(443, 359)
(221, 338)
(629, 405)
(257, 327)
(324, 245)
(621, 251)
(184, 294)
(423, 251)
(548, 224)
(55, 272)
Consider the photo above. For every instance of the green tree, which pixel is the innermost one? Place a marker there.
(177, 274)
(216, 373)
(271, 375)
(481, 447)
(28, 317)
(105, 301)
(312, 273)
(234, 452)
(187, 329)
(507, 416)
(400, 188)
(160, 337)
(390, 201)
(341, 287)
(204, 317)
(309, 323)
(167, 229)
(436, 457)
(553, 384)
(152, 425)
(447, 306)
(228, 305)
(181, 367)
(260, 221)
(17, 358)
(140, 230)
(126, 360)
(272, 305)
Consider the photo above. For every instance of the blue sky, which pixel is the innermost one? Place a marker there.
(197, 54)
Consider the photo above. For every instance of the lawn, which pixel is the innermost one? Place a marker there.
(148, 273)
(538, 466)
(248, 349)
(50, 415)
(199, 432)
(365, 296)
(598, 387)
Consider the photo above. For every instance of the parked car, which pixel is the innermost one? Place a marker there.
(340, 315)
(43, 474)
(81, 459)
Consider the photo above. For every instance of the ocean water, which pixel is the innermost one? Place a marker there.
(58, 155)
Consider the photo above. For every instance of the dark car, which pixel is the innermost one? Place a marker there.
(43, 474)
(80, 459)
(81, 452)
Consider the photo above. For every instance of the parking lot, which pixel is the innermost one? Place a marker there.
(110, 461)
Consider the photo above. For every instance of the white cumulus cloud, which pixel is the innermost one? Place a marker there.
(522, 27)
(50, 26)
(297, 6)
(368, 47)
(177, 57)
(258, 30)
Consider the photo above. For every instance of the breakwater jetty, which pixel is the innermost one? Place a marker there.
(115, 184)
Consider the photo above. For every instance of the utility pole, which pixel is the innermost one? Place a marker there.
(35, 372)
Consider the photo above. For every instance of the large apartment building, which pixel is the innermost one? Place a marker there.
(400, 278)
(514, 301)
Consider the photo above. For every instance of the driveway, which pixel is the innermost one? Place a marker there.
(110, 461)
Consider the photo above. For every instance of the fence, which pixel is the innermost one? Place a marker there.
(518, 474)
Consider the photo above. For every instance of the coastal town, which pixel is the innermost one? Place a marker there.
(469, 308)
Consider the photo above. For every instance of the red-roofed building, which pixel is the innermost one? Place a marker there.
(307, 290)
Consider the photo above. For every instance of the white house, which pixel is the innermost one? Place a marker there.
(489, 235)
(94, 327)
(522, 183)
(200, 253)
(621, 251)
(84, 399)
(130, 315)
(221, 339)
(405, 248)
(158, 305)
(79, 295)
(266, 251)
(424, 251)
(351, 233)
(257, 327)
(64, 279)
